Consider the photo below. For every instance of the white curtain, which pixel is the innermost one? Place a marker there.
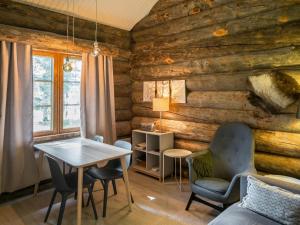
(17, 164)
(97, 98)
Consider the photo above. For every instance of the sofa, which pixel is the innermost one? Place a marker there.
(235, 215)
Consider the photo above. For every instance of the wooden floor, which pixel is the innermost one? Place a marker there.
(155, 204)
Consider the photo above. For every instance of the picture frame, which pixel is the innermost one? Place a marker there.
(149, 90)
(178, 91)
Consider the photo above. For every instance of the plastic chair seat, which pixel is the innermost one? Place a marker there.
(105, 173)
(72, 180)
(213, 184)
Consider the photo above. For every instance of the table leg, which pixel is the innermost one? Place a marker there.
(79, 195)
(39, 169)
(175, 175)
(180, 175)
(125, 175)
(163, 168)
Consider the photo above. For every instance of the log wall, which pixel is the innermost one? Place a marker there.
(214, 45)
(45, 30)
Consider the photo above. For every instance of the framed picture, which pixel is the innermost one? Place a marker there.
(163, 89)
(148, 91)
(178, 91)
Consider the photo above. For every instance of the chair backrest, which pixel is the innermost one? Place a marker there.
(232, 150)
(99, 138)
(116, 164)
(58, 179)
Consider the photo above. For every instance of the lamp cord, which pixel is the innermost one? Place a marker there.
(96, 21)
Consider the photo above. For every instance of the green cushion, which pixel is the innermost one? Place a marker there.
(203, 165)
(213, 184)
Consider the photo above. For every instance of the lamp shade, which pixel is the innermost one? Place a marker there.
(161, 104)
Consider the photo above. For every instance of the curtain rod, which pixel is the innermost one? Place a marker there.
(56, 51)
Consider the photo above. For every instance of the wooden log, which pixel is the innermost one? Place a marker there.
(280, 34)
(212, 99)
(49, 41)
(280, 143)
(122, 91)
(123, 128)
(276, 164)
(193, 146)
(122, 79)
(255, 119)
(219, 99)
(122, 103)
(226, 12)
(162, 5)
(236, 82)
(277, 58)
(185, 130)
(121, 67)
(165, 11)
(123, 115)
(26, 16)
(188, 53)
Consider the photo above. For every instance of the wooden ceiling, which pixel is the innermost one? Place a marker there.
(116, 13)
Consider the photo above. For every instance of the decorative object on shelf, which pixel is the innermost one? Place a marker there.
(273, 91)
(178, 91)
(160, 105)
(163, 89)
(67, 67)
(147, 126)
(96, 49)
(148, 91)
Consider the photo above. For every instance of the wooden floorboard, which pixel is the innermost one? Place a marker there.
(155, 204)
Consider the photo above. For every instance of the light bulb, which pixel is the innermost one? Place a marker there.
(67, 67)
(96, 49)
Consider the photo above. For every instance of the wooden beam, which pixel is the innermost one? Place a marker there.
(277, 34)
(50, 41)
(276, 58)
(278, 164)
(167, 10)
(192, 13)
(255, 119)
(123, 128)
(26, 16)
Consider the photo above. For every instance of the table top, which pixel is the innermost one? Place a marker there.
(81, 152)
(177, 153)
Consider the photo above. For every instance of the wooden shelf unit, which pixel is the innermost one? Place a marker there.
(156, 143)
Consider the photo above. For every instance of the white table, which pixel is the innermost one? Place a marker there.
(175, 153)
(81, 153)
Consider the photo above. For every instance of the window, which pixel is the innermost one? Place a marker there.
(56, 94)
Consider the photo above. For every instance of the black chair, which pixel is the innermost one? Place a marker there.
(67, 185)
(111, 172)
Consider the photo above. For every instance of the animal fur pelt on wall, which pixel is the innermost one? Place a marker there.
(272, 91)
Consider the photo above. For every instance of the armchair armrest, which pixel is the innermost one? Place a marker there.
(190, 160)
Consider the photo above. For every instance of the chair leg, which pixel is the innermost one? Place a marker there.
(114, 187)
(62, 209)
(91, 197)
(131, 198)
(190, 201)
(50, 206)
(105, 187)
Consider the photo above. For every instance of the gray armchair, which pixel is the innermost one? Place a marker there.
(232, 151)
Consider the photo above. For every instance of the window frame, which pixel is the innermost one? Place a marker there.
(57, 93)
